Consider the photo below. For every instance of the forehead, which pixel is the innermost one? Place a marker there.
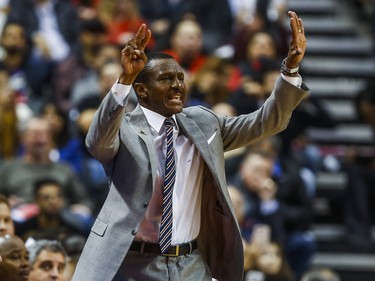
(187, 28)
(46, 255)
(4, 209)
(48, 188)
(12, 244)
(159, 66)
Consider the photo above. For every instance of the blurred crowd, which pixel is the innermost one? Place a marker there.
(59, 58)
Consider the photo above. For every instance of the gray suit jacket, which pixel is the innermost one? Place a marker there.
(123, 143)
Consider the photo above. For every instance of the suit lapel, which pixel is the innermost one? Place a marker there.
(139, 124)
(194, 133)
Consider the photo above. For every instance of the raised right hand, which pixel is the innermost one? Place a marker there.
(133, 57)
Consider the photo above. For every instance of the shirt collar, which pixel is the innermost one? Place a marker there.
(156, 120)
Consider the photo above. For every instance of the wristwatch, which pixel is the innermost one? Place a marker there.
(287, 70)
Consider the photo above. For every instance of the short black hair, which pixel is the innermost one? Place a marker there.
(38, 184)
(144, 74)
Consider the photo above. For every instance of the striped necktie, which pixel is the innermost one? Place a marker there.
(165, 235)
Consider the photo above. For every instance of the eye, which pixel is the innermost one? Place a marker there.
(166, 78)
(181, 77)
(15, 256)
(46, 266)
(61, 268)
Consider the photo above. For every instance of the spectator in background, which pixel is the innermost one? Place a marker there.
(53, 27)
(92, 173)
(216, 21)
(106, 75)
(90, 84)
(91, 38)
(122, 19)
(360, 168)
(260, 50)
(162, 15)
(54, 220)
(210, 85)
(186, 46)
(17, 176)
(262, 257)
(259, 16)
(51, 24)
(276, 196)
(15, 259)
(29, 71)
(6, 222)
(255, 85)
(268, 262)
(47, 260)
(63, 146)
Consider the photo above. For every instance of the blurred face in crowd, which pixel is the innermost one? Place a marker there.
(54, 118)
(37, 138)
(50, 199)
(108, 76)
(15, 259)
(269, 261)
(187, 40)
(6, 222)
(13, 39)
(255, 170)
(261, 45)
(48, 266)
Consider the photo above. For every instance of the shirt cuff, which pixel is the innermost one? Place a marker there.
(120, 92)
(296, 81)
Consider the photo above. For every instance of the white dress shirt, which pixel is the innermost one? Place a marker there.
(187, 190)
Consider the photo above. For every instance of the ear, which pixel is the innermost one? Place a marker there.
(141, 90)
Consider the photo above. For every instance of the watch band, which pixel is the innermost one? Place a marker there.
(287, 70)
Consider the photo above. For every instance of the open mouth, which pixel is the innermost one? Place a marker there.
(175, 98)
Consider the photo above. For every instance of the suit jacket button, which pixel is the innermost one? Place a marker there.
(145, 204)
(134, 232)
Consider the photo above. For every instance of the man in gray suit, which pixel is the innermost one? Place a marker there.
(205, 238)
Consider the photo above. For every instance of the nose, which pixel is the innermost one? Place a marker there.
(177, 83)
(25, 263)
(55, 272)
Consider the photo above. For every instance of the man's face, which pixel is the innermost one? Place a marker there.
(187, 41)
(49, 266)
(50, 199)
(13, 39)
(6, 222)
(37, 138)
(255, 170)
(165, 89)
(15, 264)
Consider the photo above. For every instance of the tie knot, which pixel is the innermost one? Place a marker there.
(168, 122)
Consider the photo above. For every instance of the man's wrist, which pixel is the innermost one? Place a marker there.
(292, 72)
